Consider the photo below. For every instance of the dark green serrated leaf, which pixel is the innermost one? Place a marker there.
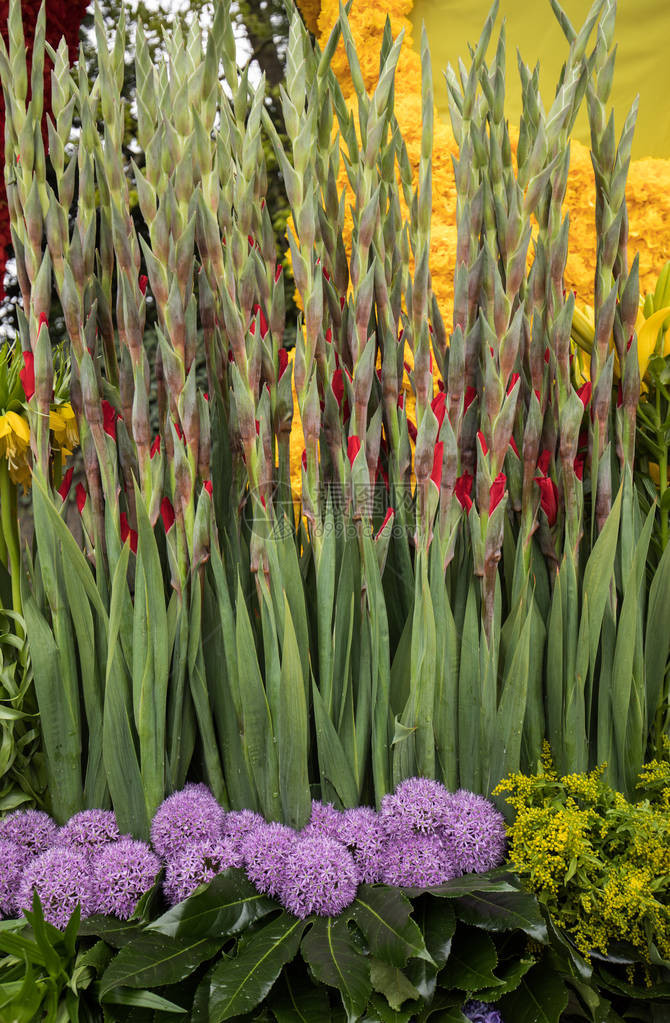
(240, 984)
(540, 998)
(116, 933)
(228, 905)
(384, 916)
(152, 959)
(502, 911)
(471, 963)
(392, 983)
(333, 957)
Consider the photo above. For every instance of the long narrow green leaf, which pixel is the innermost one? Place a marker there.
(293, 733)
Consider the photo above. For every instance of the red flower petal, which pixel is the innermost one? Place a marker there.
(304, 459)
(389, 515)
(512, 382)
(584, 393)
(127, 533)
(178, 429)
(64, 488)
(278, 271)
(497, 492)
(156, 446)
(512, 444)
(167, 514)
(543, 461)
(208, 487)
(353, 447)
(27, 375)
(436, 471)
(263, 321)
(337, 385)
(463, 489)
(282, 356)
(548, 498)
(109, 417)
(143, 281)
(411, 429)
(578, 466)
(546, 356)
(81, 495)
(42, 321)
(470, 395)
(482, 441)
(438, 405)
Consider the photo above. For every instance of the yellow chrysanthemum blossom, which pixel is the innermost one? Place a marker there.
(15, 446)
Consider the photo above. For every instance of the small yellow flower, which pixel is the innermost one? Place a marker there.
(63, 422)
(15, 446)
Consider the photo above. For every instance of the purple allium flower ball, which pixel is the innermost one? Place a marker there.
(266, 851)
(363, 834)
(197, 864)
(62, 879)
(191, 815)
(475, 832)
(13, 861)
(320, 877)
(240, 823)
(324, 820)
(417, 805)
(122, 872)
(89, 830)
(418, 861)
(33, 829)
(481, 1012)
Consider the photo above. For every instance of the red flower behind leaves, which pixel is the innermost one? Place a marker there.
(497, 491)
(128, 533)
(463, 490)
(544, 461)
(27, 375)
(282, 356)
(548, 498)
(64, 488)
(436, 471)
(143, 281)
(482, 441)
(109, 417)
(470, 395)
(389, 515)
(353, 447)
(81, 495)
(438, 405)
(156, 446)
(584, 393)
(167, 514)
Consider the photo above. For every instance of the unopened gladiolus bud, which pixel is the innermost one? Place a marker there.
(497, 491)
(282, 356)
(337, 385)
(81, 495)
(143, 281)
(482, 440)
(43, 322)
(167, 514)
(463, 490)
(584, 393)
(353, 447)
(512, 444)
(27, 375)
(512, 381)
(127, 533)
(303, 459)
(156, 446)
(469, 397)
(579, 466)
(544, 461)
(548, 497)
(208, 487)
(64, 488)
(389, 515)
(436, 472)
(438, 405)
(109, 417)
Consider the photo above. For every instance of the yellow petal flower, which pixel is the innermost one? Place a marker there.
(647, 336)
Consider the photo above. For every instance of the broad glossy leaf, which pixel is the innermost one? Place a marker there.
(228, 905)
(540, 998)
(152, 959)
(116, 933)
(501, 911)
(384, 916)
(334, 958)
(471, 963)
(238, 985)
(510, 977)
(297, 999)
(495, 881)
(392, 983)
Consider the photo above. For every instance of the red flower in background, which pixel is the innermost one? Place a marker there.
(353, 447)
(282, 356)
(438, 405)
(584, 393)
(436, 472)
(128, 533)
(81, 495)
(167, 514)
(497, 492)
(64, 488)
(548, 498)
(109, 417)
(463, 489)
(156, 446)
(27, 375)
(470, 395)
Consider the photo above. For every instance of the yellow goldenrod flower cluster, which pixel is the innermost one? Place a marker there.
(600, 864)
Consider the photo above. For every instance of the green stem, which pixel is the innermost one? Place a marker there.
(10, 530)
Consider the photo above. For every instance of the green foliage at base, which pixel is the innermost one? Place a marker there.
(391, 957)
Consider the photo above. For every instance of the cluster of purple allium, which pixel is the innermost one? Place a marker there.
(266, 852)
(481, 1012)
(31, 829)
(422, 837)
(196, 864)
(62, 879)
(319, 877)
(89, 830)
(122, 872)
(192, 815)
